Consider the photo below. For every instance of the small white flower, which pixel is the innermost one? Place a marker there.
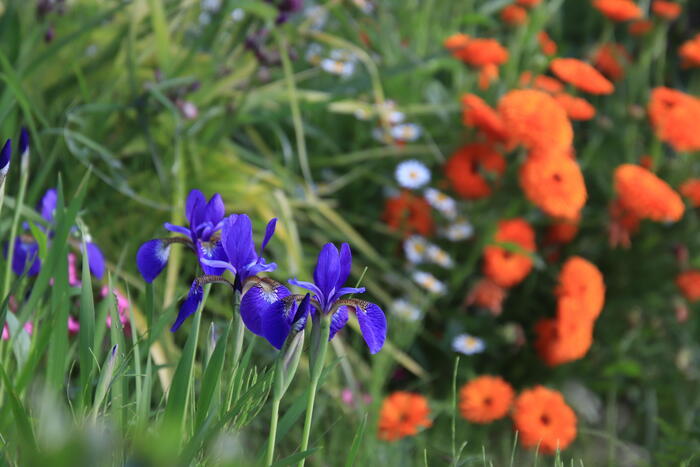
(459, 231)
(443, 203)
(237, 14)
(405, 310)
(429, 282)
(438, 256)
(406, 132)
(415, 248)
(468, 345)
(412, 174)
(342, 55)
(338, 67)
(395, 117)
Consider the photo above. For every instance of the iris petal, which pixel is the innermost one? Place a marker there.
(372, 324)
(269, 232)
(195, 202)
(237, 238)
(346, 291)
(26, 252)
(345, 265)
(5, 155)
(302, 314)
(276, 322)
(47, 205)
(189, 306)
(338, 321)
(177, 229)
(327, 269)
(96, 260)
(211, 251)
(310, 286)
(255, 303)
(215, 210)
(152, 258)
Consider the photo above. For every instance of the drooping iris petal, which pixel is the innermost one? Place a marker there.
(189, 306)
(47, 205)
(237, 238)
(215, 209)
(269, 232)
(152, 258)
(372, 324)
(276, 322)
(345, 265)
(96, 260)
(338, 321)
(194, 204)
(212, 251)
(256, 301)
(177, 229)
(327, 269)
(26, 257)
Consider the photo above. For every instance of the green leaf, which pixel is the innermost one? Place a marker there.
(86, 335)
(294, 458)
(211, 378)
(20, 415)
(356, 443)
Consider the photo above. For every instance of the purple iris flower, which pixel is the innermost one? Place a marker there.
(331, 273)
(205, 220)
(239, 256)
(5, 156)
(26, 256)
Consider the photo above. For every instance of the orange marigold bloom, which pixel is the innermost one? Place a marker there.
(581, 75)
(482, 52)
(674, 116)
(487, 294)
(690, 52)
(611, 59)
(562, 231)
(504, 266)
(543, 418)
(645, 195)
(514, 15)
(618, 10)
(548, 46)
(466, 166)
(408, 214)
(541, 82)
(564, 340)
(689, 283)
(403, 414)
(528, 3)
(456, 42)
(582, 281)
(691, 190)
(534, 119)
(640, 28)
(487, 74)
(555, 185)
(666, 10)
(577, 108)
(477, 113)
(485, 399)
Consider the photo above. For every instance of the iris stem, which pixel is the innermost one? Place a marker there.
(319, 345)
(238, 328)
(273, 430)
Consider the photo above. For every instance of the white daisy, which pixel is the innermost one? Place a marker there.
(412, 174)
(460, 230)
(342, 55)
(438, 256)
(405, 310)
(415, 248)
(406, 132)
(468, 345)
(338, 67)
(429, 282)
(443, 203)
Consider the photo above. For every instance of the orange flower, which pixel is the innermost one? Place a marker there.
(504, 266)
(563, 340)
(403, 414)
(541, 82)
(528, 3)
(514, 15)
(478, 114)
(577, 108)
(618, 10)
(555, 185)
(481, 52)
(691, 190)
(581, 75)
(548, 46)
(408, 214)
(689, 283)
(485, 399)
(534, 119)
(611, 59)
(690, 52)
(640, 28)
(645, 195)
(581, 281)
(543, 419)
(666, 10)
(455, 43)
(487, 294)
(465, 169)
(487, 74)
(674, 116)
(562, 231)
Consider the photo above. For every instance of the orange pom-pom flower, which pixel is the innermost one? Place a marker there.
(543, 419)
(467, 167)
(645, 195)
(581, 75)
(485, 399)
(555, 185)
(403, 414)
(504, 266)
(618, 10)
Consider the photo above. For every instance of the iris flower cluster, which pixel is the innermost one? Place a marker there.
(267, 308)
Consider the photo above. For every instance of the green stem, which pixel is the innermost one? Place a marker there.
(24, 178)
(319, 345)
(273, 431)
(238, 328)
